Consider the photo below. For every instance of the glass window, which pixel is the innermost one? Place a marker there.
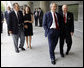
(74, 9)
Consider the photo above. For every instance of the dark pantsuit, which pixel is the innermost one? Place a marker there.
(53, 35)
(52, 32)
(36, 21)
(40, 22)
(66, 37)
(66, 28)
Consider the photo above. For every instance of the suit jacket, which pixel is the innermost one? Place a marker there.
(7, 16)
(69, 26)
(47, 21)
(37, 14)
(41, 14)
(13, 22)
(2, 17)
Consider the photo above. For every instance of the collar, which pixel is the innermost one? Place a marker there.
(64, 13)
(15, 11)
(52, 11)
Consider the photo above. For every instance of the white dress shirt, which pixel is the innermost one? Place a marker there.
(53, 23)
(8, 11)
(16, 13)
(36, 13)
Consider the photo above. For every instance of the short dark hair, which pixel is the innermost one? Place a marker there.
(39, 8)
(36, 8)
(14, 4)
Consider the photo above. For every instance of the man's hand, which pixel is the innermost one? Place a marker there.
(10, 32)
(71, 33)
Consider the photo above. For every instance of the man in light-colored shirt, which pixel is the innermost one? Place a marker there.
(16, 24)
(51, 24)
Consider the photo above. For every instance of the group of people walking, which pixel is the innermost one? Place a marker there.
(56, 25)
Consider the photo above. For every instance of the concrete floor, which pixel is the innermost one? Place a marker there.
(38, 56)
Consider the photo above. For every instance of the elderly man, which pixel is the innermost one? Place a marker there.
(67, 29)
(51, 24)
(16, 24)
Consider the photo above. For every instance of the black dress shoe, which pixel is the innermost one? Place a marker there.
(62, 55)
(53, 62)
(67, 53)
(17, 51)
(23, 49)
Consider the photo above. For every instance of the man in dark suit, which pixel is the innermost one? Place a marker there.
(40, 16)
(67, 29)
(7, 18)
(51, 24)
(36, 16)
(16, 24)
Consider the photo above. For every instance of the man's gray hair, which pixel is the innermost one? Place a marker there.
(52, 4)
(64, 6)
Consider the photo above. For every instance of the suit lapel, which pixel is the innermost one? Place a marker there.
(67, 16)
(51, 18)
(50, 15)
(57, 18)
(62, 15)
(15, 15)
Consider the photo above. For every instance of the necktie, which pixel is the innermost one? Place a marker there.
(56, 21)
(18, 16)
(65, 18)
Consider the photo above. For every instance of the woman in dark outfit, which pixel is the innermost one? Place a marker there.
(28, 28)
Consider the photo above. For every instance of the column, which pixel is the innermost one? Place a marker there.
(44, 5)
(79, 25)
(30, 4)
(80, 11)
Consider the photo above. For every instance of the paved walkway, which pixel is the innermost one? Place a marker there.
(38, 56)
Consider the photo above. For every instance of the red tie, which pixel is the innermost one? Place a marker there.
(56, 22)
(65, 18)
